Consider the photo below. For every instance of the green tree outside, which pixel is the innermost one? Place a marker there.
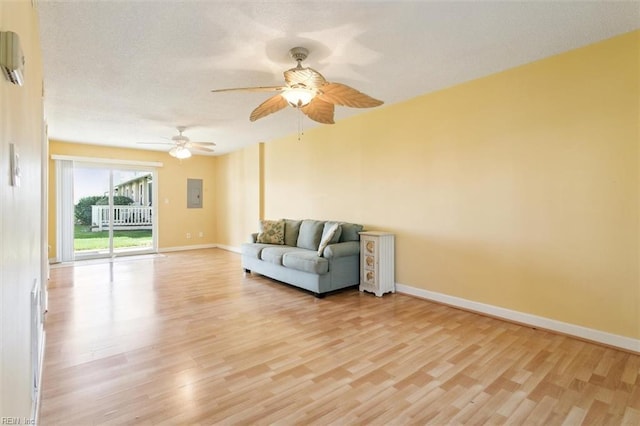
(82, 210)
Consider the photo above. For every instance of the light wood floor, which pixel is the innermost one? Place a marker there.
(188, 338)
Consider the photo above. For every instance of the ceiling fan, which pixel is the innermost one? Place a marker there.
(307, 90)
(182, 145)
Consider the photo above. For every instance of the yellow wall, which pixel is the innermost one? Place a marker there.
(21, 241)
(175, 220)
(518, 190)
(239, 195)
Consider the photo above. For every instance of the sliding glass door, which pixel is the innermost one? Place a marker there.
(105, 210)
(113, 211)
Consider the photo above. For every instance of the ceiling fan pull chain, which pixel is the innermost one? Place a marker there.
(300, 125)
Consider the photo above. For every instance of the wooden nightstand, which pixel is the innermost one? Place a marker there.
(377, 258)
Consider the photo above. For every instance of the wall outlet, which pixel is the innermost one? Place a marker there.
(200, 234)
(188, 235)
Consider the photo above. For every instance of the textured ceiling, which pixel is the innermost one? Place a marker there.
(120, 73)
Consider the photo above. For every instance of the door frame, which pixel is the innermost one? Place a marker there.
(62, 210)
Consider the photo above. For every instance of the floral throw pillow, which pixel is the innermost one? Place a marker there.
(271, 232)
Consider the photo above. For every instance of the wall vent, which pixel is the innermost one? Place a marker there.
(11, 57)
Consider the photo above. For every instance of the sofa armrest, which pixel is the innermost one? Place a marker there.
(347, 248)
(253, 237)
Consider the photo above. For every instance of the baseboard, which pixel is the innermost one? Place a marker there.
(609, 339)
(229, 248)
(54, 261)
(203, 246)
(183, 248)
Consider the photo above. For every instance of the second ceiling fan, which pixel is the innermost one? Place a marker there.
(307, 90)
(182, 145)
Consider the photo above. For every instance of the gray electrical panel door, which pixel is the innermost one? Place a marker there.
(194, 193)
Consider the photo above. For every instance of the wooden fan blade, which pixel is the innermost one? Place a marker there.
(307, 77)
(341, 94)
(251, 89)
(202, 143)
(271, 105)
(319, 110)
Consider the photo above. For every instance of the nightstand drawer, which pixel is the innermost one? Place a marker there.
(369, 277)
(369, 262)
(369, 247)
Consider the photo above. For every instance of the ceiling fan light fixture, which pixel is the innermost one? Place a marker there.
(180, 152)
(183, 153)
(298, 96)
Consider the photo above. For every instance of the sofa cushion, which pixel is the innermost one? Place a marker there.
(273, 254)
(310, 234)
(271, 232)
(350, 232)
(291, 231)
(307, 261)
(330, 235)
(253, 249)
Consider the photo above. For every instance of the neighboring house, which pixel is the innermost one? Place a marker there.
(135, 216)
(139, 189)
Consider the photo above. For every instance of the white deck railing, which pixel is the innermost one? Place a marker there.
(124, 217)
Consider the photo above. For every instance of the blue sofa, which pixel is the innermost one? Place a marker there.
(300, 261)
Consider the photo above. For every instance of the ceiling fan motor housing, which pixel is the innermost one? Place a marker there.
(299, 53)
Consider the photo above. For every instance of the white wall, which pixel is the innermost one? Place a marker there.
(21, 239)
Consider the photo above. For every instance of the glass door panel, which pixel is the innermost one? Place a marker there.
(113, 211)
(91, 204)
(132, 211)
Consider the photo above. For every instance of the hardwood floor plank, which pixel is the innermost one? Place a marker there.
(188, 338)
